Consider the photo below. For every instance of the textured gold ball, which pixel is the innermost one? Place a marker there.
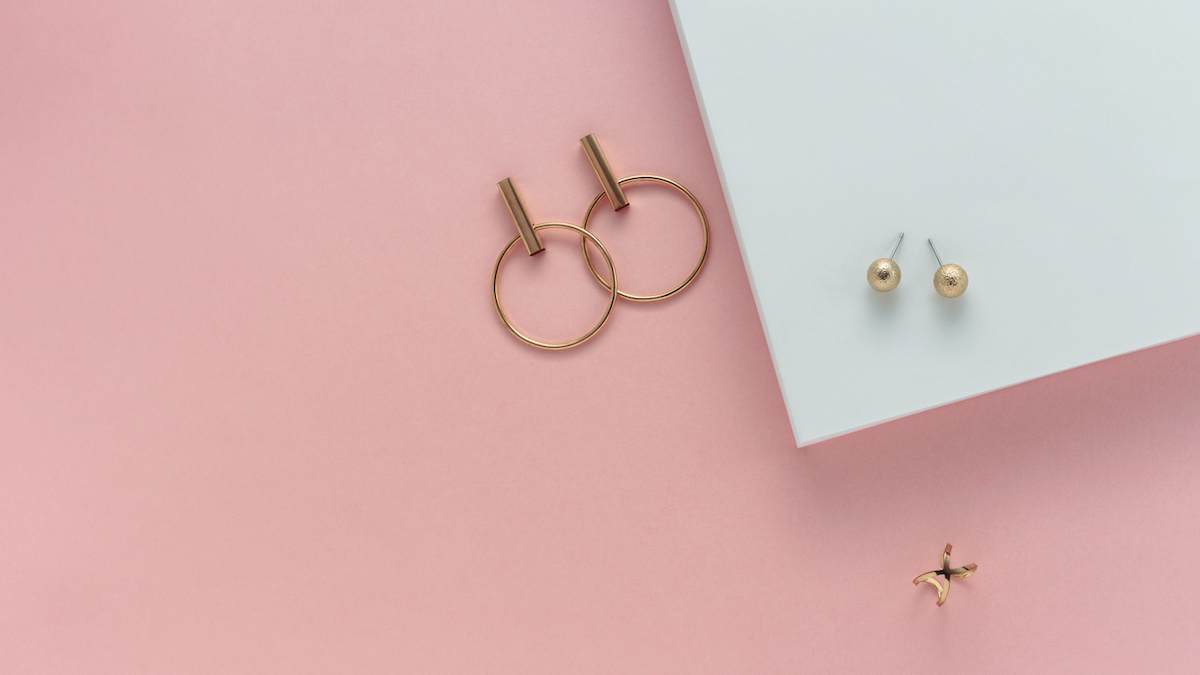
(883, 275)
(950, 281)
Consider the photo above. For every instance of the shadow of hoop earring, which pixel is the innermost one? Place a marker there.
(612, 300)
(703, 226)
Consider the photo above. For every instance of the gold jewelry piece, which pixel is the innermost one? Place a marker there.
(950, 280)
(533, 244)
(616, 197)
(884, 274)
(947, 572)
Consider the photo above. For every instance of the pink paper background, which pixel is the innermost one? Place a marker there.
(257, 414)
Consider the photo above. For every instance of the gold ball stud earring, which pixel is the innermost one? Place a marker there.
(949, 280)
(884, 274)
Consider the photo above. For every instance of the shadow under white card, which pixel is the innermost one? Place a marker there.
(1050, 147)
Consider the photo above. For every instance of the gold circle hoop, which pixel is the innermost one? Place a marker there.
(584, 236)
(703, 225)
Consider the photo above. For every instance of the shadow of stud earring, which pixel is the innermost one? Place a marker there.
(949, 280)
(884, 274)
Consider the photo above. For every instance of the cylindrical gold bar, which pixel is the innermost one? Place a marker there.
(520, 218)
(604, 172)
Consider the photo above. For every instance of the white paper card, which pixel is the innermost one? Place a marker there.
(1050, 147)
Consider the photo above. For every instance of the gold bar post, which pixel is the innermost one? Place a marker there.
(604, 172)
(520, 217)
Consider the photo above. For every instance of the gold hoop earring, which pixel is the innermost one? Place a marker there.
(528, 232)
(616, 197)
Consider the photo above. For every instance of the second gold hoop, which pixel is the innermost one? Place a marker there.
(659, 296)
(585, 236)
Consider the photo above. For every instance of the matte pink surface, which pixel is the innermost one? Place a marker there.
(257, 414)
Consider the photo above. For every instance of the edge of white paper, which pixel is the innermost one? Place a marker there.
(712, 146)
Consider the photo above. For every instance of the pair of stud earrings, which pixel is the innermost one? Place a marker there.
(528, 232)
(950, 280)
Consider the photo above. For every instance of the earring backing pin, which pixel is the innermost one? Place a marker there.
(520, 217)
(935, 253)
(948, 573)
(895, 248)
(604, 172)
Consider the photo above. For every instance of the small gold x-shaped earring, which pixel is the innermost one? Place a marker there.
(948, 572)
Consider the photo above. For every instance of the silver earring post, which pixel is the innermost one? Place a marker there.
(935, 253)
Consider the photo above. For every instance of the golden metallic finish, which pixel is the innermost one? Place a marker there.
(608, 179)
(703, 226)
(520, 217)
(947, 572)
(883, 275)
(950, 281)
(586, 236)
